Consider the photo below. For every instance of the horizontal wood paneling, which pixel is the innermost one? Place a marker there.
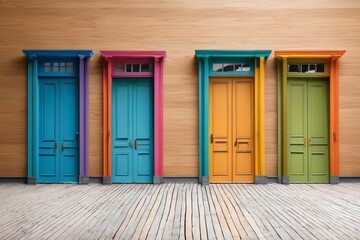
(179, 27)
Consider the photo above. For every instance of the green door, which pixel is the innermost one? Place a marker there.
(308, 131)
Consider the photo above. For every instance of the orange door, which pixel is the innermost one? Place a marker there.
(231, 130)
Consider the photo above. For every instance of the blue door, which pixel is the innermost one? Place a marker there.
(58, 159)
(132, 130)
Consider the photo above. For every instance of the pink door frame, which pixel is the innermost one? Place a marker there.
(112, 56)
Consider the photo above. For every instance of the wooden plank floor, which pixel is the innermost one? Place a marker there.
(180, 211)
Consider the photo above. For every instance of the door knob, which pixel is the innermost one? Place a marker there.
(55, 146)
(309, 141)
(304, 142)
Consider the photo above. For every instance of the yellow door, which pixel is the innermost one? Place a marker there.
(231, 130)
(220, 130)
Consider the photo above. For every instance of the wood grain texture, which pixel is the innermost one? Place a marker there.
(179, 27)
(180, 211)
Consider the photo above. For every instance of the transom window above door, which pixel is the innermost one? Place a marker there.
(133, 67)
(231, 67)
(306, 67)
(58, 67)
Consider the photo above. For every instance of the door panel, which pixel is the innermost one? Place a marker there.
(132, 120)
(69, 130)
(308, 124)
(231, 130)
(122, 136)
(143, 148)
(49, 132)
(318, 131)
(58, 140)
(297, 133)
(220, 128)
(243, 122)
(122, 167)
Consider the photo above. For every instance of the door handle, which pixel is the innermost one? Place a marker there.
(77, 135)
(62, 147)
(55, 146)
(309, 141)
(135, 144)
(304, 142)
(130, 143)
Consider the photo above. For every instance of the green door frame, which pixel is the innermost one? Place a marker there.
(330, 57)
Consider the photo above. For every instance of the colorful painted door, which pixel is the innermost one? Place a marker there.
(308, 134)
(231, 130)
(132, 131)
(59, 130)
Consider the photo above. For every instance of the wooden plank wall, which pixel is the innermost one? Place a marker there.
(179, 27)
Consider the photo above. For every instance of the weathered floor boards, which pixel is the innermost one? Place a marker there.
(180, 211)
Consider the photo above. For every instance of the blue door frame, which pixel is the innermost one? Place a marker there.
(60, 64)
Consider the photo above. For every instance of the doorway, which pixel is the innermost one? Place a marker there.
(232, 130)
(308, 130)
(132, 138)
(58, 115)
(59, 132)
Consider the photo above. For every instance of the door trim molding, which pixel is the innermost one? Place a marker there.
(82, 56)
(205, 59)
(332, 57)
(157, 57)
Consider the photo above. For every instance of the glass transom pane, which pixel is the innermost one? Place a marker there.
(231, 67)
(306, 67)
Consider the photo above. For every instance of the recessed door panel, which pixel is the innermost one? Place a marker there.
(308, 135)
(231, 130)
(58, 139)
(69, 166)
(122, 166)
(132, 120)
(48, 169)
